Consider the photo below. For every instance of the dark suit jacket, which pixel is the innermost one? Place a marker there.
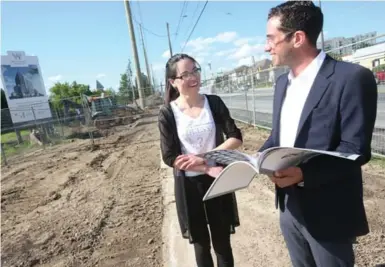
(339, 115)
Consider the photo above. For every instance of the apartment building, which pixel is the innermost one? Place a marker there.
(346, 46)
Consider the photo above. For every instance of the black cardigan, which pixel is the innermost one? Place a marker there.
(171, 148)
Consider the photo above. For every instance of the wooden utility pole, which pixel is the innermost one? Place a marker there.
(161, 90)
(169, 40)
(322, 31)
(252, 90)
(135, 52)
(145, 59)
(153, 79)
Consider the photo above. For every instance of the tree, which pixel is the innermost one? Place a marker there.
(107, 92)
(335, 56)
(68, 91)
(110, 91)
(379, 68)
(126, 87)
(123, 84)
(146, 85)
(219, 82)
(6, 121)
(4, 103)
(363, 45)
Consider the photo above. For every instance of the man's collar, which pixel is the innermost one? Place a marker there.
(315, 63)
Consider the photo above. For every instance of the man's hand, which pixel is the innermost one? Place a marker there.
(287, 177)
(184, 162)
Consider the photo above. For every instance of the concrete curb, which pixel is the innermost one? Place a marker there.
(176, 250)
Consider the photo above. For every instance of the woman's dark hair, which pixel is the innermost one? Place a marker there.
(172, 92)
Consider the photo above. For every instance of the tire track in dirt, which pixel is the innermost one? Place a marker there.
(86, 207)
(142, 211)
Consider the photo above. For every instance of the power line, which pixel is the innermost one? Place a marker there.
(192, 19)
(144, 39)
(140, 13)
(203, 9)
(180, 18)
(149, 31)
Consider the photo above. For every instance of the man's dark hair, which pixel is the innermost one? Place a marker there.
(299, 16)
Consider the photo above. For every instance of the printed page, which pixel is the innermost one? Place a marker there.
(227, 157)
(280, 158)
(338, 154)
(283, 158)
(236, 176)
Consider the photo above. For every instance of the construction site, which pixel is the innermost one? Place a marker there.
(82, 179)
(104, 202)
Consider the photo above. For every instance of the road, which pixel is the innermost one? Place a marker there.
(241, 106)
(263, 101)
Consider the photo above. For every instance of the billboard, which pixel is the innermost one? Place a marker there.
(24, 87)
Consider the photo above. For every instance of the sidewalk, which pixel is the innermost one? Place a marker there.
(176, 250)
(257, 243)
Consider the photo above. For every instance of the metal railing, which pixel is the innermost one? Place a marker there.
(254, 107)
(67, 119)
(249, 97)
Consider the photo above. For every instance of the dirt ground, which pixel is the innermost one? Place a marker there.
(77, 205)
(72, 205)
(370, 249)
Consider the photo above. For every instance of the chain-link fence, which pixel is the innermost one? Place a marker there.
(248, 90)
(83, 117)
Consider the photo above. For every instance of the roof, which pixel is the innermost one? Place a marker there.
(241, 68)
(370, 50)
(263, 64)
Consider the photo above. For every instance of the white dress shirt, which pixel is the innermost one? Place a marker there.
(296, 94)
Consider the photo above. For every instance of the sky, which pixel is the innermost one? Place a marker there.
(85, 41)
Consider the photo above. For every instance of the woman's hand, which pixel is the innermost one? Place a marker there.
(193, 163)
(213, 171)
(185, 162)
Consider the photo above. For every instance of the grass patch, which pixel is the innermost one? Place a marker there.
(9, 137)
(263, 129)
(264, 85)
(11, 150)
(378, 161)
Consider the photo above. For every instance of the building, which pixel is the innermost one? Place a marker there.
(276, 72)
(260, 70)
(241, 78)
(369, 57)
(346, 46)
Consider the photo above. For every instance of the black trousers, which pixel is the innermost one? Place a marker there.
(305, 250)
(209, 213)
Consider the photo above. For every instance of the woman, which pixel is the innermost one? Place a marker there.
(191, 123)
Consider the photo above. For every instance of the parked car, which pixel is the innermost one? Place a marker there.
(380, 76)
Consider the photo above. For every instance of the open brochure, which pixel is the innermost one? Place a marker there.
(242, 168)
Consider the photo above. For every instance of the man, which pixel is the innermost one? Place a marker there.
(320, 104)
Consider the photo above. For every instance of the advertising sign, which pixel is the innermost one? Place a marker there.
(24, 87)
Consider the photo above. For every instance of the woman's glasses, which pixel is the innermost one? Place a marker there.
(185, 76)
